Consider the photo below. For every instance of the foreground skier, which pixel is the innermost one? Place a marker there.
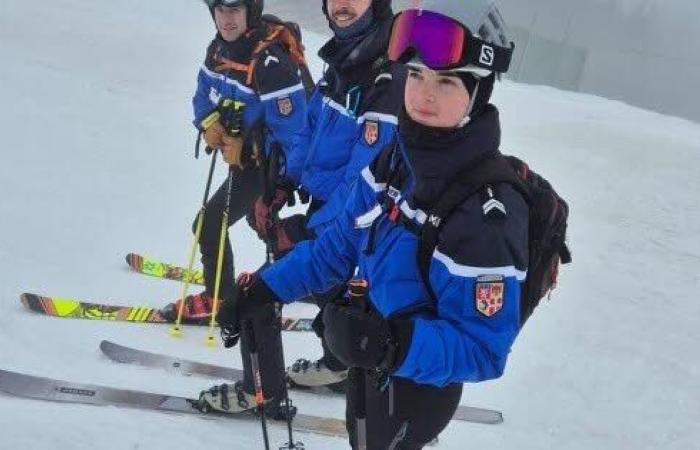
(411, 353)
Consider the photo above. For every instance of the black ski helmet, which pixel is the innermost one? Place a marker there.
(254, 7)
(382, 8)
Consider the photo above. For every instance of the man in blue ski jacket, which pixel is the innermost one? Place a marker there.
(251, 82)
(352, 114)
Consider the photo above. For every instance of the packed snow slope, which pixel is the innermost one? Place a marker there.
(97, 161)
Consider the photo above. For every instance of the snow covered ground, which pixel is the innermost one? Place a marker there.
(97, 161)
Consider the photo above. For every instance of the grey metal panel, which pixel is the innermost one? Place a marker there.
(666, 85)
(645, 52)
(545, 61)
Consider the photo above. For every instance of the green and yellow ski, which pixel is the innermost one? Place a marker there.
(160, 269)
(75, 309)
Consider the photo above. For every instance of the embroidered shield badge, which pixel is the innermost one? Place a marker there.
(489, 294)
(284, 105)
(371, 132)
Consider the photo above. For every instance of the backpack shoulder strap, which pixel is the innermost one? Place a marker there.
(275, 31)
(289, 35)
(471, 181)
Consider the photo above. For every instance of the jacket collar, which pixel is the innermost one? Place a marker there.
(435, 157)
(351, 57)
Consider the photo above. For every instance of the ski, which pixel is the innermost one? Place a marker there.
(185, 367)
(49, 389)
(76, 309)
(159, 269)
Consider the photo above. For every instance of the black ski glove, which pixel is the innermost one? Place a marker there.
(251, 295)
(362, 339)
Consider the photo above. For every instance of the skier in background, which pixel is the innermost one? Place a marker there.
(259, 87)
(352, 115)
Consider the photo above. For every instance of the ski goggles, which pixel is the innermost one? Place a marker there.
(443, 43)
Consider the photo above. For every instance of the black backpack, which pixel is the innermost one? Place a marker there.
(276, 31)
(292, 40)
(547, 224)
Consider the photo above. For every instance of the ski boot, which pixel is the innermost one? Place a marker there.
(197, 309)
(233, 399)
(305, 374)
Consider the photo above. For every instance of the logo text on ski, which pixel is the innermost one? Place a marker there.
(74, 391)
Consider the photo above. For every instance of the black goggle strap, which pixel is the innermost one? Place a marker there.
(488, 56)
(231, 3)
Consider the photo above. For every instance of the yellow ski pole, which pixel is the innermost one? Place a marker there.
(210, 341)
(176, 330)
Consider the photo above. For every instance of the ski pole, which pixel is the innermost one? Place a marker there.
(291, 444)
(176, 330)
(257, 380)
(358, 292)
(231, 118)
(210, 341)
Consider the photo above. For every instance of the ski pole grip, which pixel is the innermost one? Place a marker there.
(358, 288)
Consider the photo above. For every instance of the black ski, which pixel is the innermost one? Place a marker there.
(49, 389)
(185, 367)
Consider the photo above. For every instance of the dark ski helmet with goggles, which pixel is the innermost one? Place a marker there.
(382, 9)
(254, 8)
(468, 38)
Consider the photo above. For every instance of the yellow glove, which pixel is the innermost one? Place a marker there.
(232, 150)
(214, 135)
